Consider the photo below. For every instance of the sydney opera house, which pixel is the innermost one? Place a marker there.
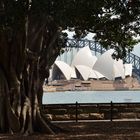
(85, 66)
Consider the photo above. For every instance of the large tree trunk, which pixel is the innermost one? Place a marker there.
(24, 64)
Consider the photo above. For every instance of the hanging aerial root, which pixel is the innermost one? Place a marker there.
(26, 118)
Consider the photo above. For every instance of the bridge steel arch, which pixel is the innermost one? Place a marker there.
(97, 48)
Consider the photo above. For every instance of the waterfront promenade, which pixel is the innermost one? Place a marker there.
(62, 85)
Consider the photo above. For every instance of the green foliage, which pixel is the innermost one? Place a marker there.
(115, 23)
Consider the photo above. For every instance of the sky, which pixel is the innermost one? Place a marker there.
(135, 51)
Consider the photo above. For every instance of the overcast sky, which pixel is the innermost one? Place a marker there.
(137, 50)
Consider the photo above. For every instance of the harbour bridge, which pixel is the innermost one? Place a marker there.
(97, 48)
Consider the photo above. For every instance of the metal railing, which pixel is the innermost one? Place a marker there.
(111, 110)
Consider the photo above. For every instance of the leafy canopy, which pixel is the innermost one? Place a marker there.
(115, 23)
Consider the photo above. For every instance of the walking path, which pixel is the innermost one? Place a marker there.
(120, 130)
(128, 84)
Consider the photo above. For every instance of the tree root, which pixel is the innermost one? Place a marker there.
(26, 117)
(43, 126)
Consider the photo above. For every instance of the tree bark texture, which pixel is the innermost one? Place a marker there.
(25, 60)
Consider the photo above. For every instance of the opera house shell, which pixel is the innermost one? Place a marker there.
(85, 66)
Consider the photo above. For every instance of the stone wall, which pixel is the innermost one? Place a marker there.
(92, 111)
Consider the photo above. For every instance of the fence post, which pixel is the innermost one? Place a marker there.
(111, 111)
(76, 112)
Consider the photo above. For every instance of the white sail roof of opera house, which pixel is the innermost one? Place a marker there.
(84, 57)
(73, 73)
(67, 71)
(96, 75)
(89, 67)
(84, 71)
(128, 69)
(108, 66)
(87, 72)
(119, 69)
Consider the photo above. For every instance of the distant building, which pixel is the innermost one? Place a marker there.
(85, 66)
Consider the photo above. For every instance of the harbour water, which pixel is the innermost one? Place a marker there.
(91, 97)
